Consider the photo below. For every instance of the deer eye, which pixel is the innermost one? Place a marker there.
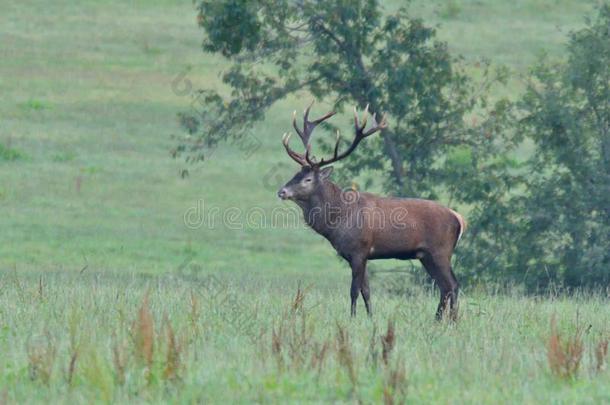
(307, 180)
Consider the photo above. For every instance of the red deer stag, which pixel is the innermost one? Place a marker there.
(363, 226)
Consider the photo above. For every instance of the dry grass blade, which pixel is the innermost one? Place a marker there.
(293, 342)
(564, 357)
(601, 352)
(144, 334)
(75, 346)
(71, 368)
(373, 355)
(119, 360)
(194, 313)
(276, 345)
(40, 289)
(344, 353)
(41, 358)
(387, 342)
(319, 355)
(395, 385)
(173, 356)
(299, 299)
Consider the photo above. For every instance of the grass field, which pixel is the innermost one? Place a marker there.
(255, 341)
(93, 217)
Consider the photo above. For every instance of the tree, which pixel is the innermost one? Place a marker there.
(546, 221)
(347, 52)
(566, 214)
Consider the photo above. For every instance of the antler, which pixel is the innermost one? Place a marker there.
(297, 157)
(305, 135)
(360, 135)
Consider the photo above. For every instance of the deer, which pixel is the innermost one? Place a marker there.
(363, 226)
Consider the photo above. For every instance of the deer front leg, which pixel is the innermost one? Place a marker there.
(358, 277)
(366, 292)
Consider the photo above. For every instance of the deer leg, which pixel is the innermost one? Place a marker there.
(358, 270)
(366, 292)
(440, 270)
(454, 296)
(354, 293)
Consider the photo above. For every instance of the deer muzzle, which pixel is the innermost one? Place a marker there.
(284, 193)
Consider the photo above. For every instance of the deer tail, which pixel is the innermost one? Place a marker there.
(463, 225)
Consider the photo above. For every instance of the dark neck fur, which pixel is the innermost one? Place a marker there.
(322, 206)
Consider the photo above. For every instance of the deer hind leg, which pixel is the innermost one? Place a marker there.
(440, 270)
(454, 297)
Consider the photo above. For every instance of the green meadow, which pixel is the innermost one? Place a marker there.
(116, 286)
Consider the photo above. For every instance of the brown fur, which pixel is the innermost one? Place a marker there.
(363, 226)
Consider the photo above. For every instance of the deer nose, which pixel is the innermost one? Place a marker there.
(283, 193)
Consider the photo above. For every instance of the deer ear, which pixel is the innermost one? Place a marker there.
(326, 172)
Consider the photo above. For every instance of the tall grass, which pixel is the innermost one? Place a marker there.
(136, 338)
(565, 354)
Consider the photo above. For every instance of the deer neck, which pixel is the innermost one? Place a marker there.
(323, 208)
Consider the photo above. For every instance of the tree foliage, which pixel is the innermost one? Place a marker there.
(346, 52)
(548, 218)
(566, 229)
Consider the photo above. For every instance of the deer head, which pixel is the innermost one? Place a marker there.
(314, 173)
